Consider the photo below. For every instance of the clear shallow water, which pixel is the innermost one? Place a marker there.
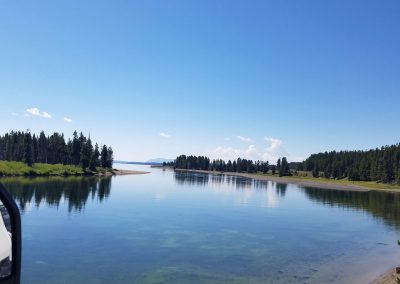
(168, 227)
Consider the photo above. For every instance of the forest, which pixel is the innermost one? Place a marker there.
(380, 165)
(24, 147)
(239, 165)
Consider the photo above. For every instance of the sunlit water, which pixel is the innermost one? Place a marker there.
(168, 227)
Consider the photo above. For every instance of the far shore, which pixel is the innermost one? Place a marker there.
(120, 172)
(323, 183)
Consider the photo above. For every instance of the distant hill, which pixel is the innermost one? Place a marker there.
(136, 163)
(152, 162)
(160, 160)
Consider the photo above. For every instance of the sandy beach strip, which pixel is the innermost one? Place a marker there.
(388, 278)
(120, 172)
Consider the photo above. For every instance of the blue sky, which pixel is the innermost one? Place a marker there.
(257, 79)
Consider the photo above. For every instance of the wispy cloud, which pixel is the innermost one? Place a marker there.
(66, 119)
(165, 135)
(36, 112)
(244, 139)
(227, 139)
(14, 114)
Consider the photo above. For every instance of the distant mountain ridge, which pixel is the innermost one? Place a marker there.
(160, 160)
(156, 161)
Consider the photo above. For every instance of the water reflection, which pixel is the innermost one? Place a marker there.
(281, 189)
(204, 228)
(191, 179)
(240, 183)
(382, 205)
(202, 179)
(53, 191)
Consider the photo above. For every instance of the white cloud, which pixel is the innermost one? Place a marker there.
(14, 114)
(275, 150)
(244, 139)
(230, 153)
(227, 139)
(275, 143)
(271, 153)
(66, 119)
(46, 115)
(165, 135)
(36, 112)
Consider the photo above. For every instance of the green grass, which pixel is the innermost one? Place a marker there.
(366, 184)
(20, 169)
(307, 176)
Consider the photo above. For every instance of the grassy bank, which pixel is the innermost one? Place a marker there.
(8, 169)
(366, 184)
(20, 169)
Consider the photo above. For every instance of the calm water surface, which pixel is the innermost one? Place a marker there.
(168, 227)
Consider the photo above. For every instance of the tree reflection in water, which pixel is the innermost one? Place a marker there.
(54, 190)
(191, 179)
(382, 205)
(240, 183)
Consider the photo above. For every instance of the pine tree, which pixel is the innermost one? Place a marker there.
(76, 149)
(234, 166)
(42, 148)
(278, 165)
(283, 170)
(273, 169)
(110, 157)
(28, 154)
(94, 160)
(86, 153)
(34, 148)
(104, 155)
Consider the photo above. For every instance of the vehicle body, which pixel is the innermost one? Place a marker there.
(5, 241)
(10, 239)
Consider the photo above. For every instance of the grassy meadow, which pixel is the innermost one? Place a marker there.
(307, 176)
(10, 168)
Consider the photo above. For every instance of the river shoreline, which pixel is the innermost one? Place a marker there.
(299, 181)
(121, 172)
(113, 172)
(387, 278)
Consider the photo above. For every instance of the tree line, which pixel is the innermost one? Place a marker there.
(54, 149)
(239, 165)
(380, 164)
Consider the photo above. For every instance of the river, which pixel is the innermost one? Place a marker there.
(181, 227)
